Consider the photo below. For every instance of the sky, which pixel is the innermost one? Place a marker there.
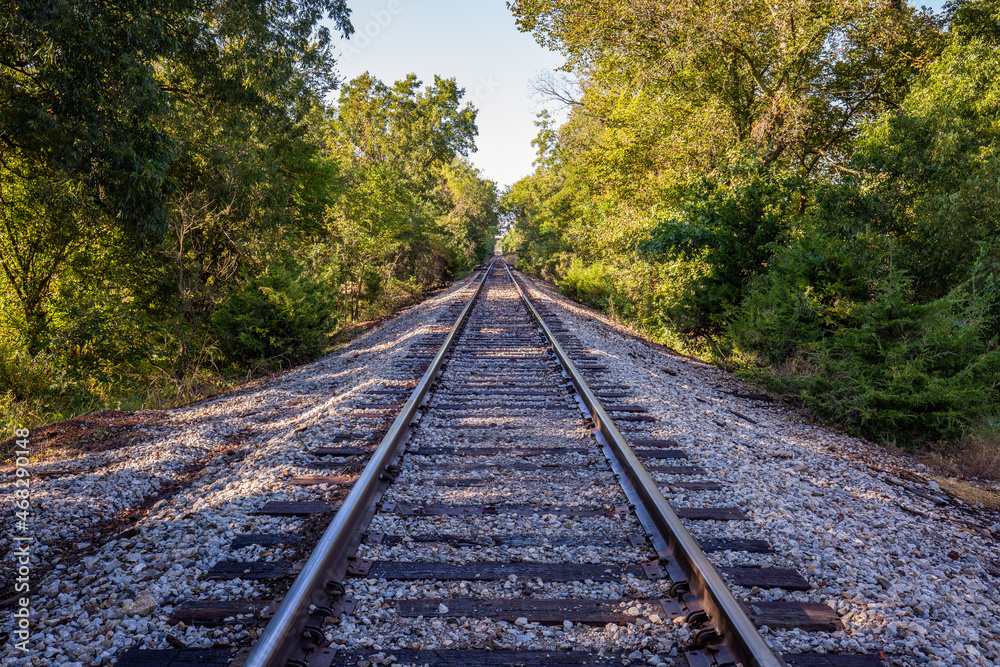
(477, 43)
(474, 41)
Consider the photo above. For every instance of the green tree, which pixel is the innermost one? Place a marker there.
(85, 86)
(733, 224)
(95, 99)
(396, 146)
(793, 79)
(417, 131)
(472, 221)
(79, 100)
(927, 175)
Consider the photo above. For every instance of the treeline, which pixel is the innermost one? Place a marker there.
(179, 204)
(807, 191)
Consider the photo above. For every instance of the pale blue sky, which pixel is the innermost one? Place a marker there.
(474, 41)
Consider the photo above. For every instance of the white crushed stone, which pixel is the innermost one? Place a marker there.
(580, 480)
(910, 578)
(80, 608)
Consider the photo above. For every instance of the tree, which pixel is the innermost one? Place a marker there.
(792, 79)
(472, 221)
(418, 131)
(733, 225)
(43, 223)
(396, 146)
(95, 101)
(79, 101)
(927, 175)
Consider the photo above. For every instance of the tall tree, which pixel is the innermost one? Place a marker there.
(793, 78)
(417, 130)
(396, 146)
(94, 98)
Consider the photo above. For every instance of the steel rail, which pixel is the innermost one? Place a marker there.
(724, 610)
(283, 636)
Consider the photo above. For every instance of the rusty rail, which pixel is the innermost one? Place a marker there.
(724, 610)
(317, 586)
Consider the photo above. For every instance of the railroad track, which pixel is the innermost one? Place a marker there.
(511, 514)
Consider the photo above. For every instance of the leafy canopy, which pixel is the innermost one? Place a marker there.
(86, 87)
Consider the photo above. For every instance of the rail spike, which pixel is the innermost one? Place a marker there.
(281, 643)
(731, 621)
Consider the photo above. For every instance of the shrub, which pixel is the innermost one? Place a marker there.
(883, 366)
(33, 388)
(589, 284)
(280, 318)
(918, 371)
(731, 225)
(22, 376)
(812, 289)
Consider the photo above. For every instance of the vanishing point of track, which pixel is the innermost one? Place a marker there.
(509, 498)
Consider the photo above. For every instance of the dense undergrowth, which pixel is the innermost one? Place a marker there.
(261, 332)
(843, 252)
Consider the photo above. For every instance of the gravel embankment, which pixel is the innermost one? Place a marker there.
(220, 460)
(913, 573)
(569, 482)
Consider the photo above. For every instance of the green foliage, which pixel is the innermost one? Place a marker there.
(867, 356)
(86, 87)
(21, 375)
(256, 218)
(39, 387)
(912, 372)
(927, 176)
(678, 85)
(277, 319)
(588, 284)
(410, 206)
(812, 289)
(732, 225)
(974, 20)
(418, 132)
(804, 191)
(79, 100)
(472, 221)
(884, 314)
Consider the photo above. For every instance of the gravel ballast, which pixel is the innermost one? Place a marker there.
(913, 574)
(108, 590)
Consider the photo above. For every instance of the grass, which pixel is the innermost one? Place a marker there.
(970, 493)
(975, 457)
(979, 456)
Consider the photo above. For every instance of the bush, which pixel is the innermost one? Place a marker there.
(881, 365)
(921, 372)
(731, 225)
(589, 284)
(812, 289)
(21, 375)
(34, 389)
(927, 174)
(280, 318)
(24, 381)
